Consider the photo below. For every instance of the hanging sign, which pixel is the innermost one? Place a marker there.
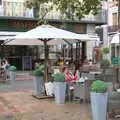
(115, 61)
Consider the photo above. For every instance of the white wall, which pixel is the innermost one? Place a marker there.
(112, 8)
(90, 44)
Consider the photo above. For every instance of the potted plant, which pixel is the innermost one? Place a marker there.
(104, 63)
(39, 82)
(99, 98)
(59, 88)
(12, 73)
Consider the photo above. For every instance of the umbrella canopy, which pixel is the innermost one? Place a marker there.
(46, 35)
(115, 39)
(49, 33)
(37, 41)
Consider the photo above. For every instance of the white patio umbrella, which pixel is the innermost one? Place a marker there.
(45, 35)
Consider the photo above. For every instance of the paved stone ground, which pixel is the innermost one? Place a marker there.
(21, 105)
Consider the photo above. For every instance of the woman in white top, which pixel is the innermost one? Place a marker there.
(4, 67)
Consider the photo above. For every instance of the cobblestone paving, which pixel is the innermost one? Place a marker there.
(21, 105)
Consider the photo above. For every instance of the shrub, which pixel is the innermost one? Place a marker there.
(38, 72)
(105, 62)
(42, 67)
(105, 50)
(12, 68)
(98, 86)
(59, 77)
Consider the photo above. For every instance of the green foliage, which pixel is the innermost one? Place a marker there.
(59, 77)
(105, 50)
(77, 8)
(34, 3)
(69, 8)
(42, 68)
(105, 63)
(12, 68)
(98, 86)
(39, 71)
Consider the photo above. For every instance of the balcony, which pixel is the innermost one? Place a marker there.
(17, 9)
(100, 17)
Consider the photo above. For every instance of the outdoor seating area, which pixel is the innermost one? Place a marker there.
(80, 90)
(92, 82)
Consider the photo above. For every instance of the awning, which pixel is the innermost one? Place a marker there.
(6, 35)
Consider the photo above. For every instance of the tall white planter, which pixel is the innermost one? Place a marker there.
(99, 105)
(12, 75)
(38, 85)
(59, 91)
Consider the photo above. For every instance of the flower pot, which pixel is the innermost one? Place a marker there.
(39, 85)
(99, 105)
(12, 75)
(59, 91)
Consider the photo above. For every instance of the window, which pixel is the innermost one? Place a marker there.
(114, 17)
(14, 9)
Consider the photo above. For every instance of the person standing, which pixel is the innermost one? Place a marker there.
(4, 67)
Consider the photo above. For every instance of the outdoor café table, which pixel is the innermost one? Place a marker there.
(82, 90)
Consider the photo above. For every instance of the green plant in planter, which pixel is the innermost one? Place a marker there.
(59, 77)
(39, 71)
(105, 50)
(42, 68)
(12, 68)
(105, 62)
(98, 86)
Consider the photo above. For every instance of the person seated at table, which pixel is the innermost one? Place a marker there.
(77, 73)
(69, 76)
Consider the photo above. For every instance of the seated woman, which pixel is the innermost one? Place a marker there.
(77, 74)
(69, 78)
(68, 75)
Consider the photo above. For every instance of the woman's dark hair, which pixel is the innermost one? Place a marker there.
(63, 69)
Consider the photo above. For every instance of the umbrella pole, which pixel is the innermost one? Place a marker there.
(46, 60)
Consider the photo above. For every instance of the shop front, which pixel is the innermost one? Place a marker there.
(24, 56)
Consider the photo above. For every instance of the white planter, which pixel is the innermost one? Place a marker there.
(60, 91)
(12, 75)
(38, 85)
(99, 105)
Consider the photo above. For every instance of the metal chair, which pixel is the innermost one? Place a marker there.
(114, 104)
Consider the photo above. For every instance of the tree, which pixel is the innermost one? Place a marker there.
(69, 9)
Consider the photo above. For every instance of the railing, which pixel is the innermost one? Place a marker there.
(100, 17)
(17, 9)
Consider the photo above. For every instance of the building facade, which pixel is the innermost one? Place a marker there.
(15, 18)
(106, 32)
